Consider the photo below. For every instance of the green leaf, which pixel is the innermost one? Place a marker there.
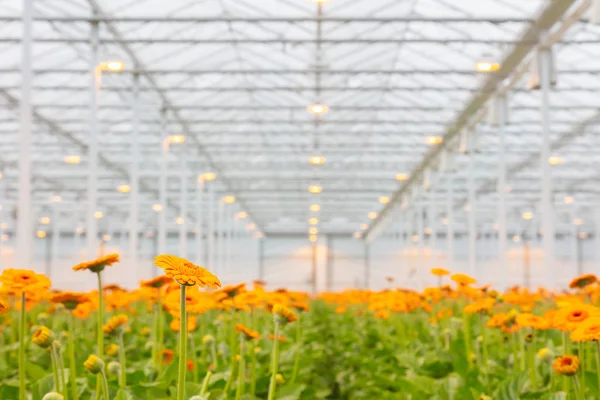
(124, 394)
(291, 392)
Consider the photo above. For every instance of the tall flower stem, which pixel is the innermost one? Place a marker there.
(122, 360)
(252, 370)
(22, 393)
(274, 363)
(467, 334)
(104, 381)
(241, 373)
(61, 371)
(193, 350)
(205, 383)
(182, 346)
(161, 333)
(582, 367)
(100, 333)
(72, 371)
(598, 365)
(55, 368)
(532, 371)
(298, 348)
(484, 349)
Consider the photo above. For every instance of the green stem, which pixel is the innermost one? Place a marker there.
(523, 359)
(122, 360)
(484, 348)
(193, 350)
(61, 372)
(205, 383)
(161, 333)
(582, 367)
(72, 371)
(274, 363)
(213, 352)
(55, 368)
(252, 370)
(182, 346)
(467, 334)
(100, 333)
(241, 373)
(297, 355)
(22, 393)
(155, 354)
(105, 384)
(532, 371)
(598, 365)
(577, 389)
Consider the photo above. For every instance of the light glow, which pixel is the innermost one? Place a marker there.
(113, 66)
(241, 215)
(364, 226)
(123, 188)
(209, 176)
(176, 139)
(317, 160)
(315, 189)
(313, 221)
(40, 234)
(313, 238)
(527, 215)
(401, 177)
(318, 109)
(556, 160)
(577, 221)
(372, 215)
(434, 139)
(357, 235)
(45, 220)
(106, 237)
(179, 221)
(569, 200)
(487, 66)
(384, 199)
(98, 214)
(56, 199)
(72, 159)
(251, 227)
(315, 208)
(313, 231)
(229, 199)
(157, 207)
(516, 238)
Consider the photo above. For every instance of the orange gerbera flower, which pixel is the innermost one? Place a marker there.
(232, 290)
(185, 272)
(382, 314)
(498, 320)
(4, 308)
(566, 365)
(280, 338)
(17, 281)
(157, 282)
(480, 306)
(117, 322)
(190, 365)
(589, 330)
(440, 272)
(98, 264)
(246, 332)
(192, 324)
(583, 281)
(69, 299)
(568, 318)
(167, 356)
(83, 310)
(463, 279)
(526, 320)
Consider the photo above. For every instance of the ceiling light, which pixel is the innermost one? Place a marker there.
(527, 215)
(428, 231)
(179, 221)
(4, 237)
(583, 235)
(315, 207)
(414, 238)
(4, 225)
(251, 227)
(98, 214)
(317, 160)
(1, 175)
(40, 234)
(106, 237)
(259, 235)
(72, 159)
(176, 139)
(516, 238)
(113, 66)
(209, 176)
(313, 231)
(123, 188)
(556, 160)
(487, 66)
(79, 230)
(357, 235)
(318, 109)
(241, 215)
(313, 221)
(445, 221)
(384, 199)
(157, 207)
(401, 177)
(45, 220)
(364, 226)
(315, 189)
(569, 200)
(229, 199)
(434, 139)
(313, 238)
(577, 221)
(372, 215)
(56, 199)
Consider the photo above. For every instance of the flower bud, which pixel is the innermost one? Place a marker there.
(546, 355)
(280, 379)
(145, 331)
(113, 368)
(94, 364)
(112, 350)
(208, 339)
(53, 396)
(43, 337)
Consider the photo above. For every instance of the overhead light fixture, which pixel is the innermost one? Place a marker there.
(445, 221)
(313, 221)
(414, 238)
(527, 215)
(1, 175)
(209, 176)
(229, 199)
(384, 199)
(79, 230)
(357, 235)
(113, 66)
(123, 188)
(179, 221)
(98, 214)
(40, 234)
(4, 225)
(241, 215)
(364, 226)
(251, 227)
(313, 238)
(556, 160)
(569, 200)
(583, 235)
(317, 160)
(372, 215)
(487, 66)
(577, 221)
(72, 159)
(313, 231)
(434, 139)
(318, 109)
(315, 189)
(315, 207)
(157, 207)
(56, 199)
(516, 238)
(176, 139)
(106, 237)
(428, 231)
(401, 177)
(45, 220)
(259, 235)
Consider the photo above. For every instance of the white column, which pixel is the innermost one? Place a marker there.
(472, 229)
(574, 243)
(501, 112)
(421, 273)
(200, 256)
(545, 63)
(183, 203)
(210, 233)
(219, 236)
(24, 226)
(55, 221)
(597, 234)
(92, 184)
(433, 227)
(162, 215)
(229, 218)
(134, 195)
(450, 218)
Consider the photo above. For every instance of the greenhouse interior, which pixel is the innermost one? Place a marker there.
(299, 199)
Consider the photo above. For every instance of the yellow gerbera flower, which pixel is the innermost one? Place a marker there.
(185, 272)
(98, 264)
(463, 279)
(567, 319)
(116, 322)
(285, 314)
(17, 281)
(440, 272)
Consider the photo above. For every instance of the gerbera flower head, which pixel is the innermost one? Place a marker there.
(4, 307)
(69, 299)
(94, 364)
(463, 279)
(83, 310)
(283, 315)
(279, 338)
(98, 264)
(582, 281)
(567, 319)
(115, 324)
(167, 356)
(185, 272)
(566, 365)
(232, 290)
(440, 272)
(480, 306)
(43, 337)
(157, 282)
(246, 333)
(17, 281)
(527, 320)
(587, 331)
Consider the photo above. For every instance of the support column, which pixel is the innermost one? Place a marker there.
(200, 253)
(472, 228)
(313, 273)
(92, 184)
(501, 112)
(261, 259)
(230, 231)
(162, 192)
(433, 228)
(210, 233)
(183, 204)
(450, 218)
(55, 220)
(24, 211)
(577, 270)
(219, 235)
(329, 266)
(597, 235)
(545, 63)
(421, 273)
(367, 279)
(134, 194)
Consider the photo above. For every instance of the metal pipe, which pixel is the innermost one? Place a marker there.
(134, 195)
(92, 140)
(433, 234)
(24, 221)
(261, 258)
(219, 236)
(421, 273)
(313, 273)
(367, 279)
